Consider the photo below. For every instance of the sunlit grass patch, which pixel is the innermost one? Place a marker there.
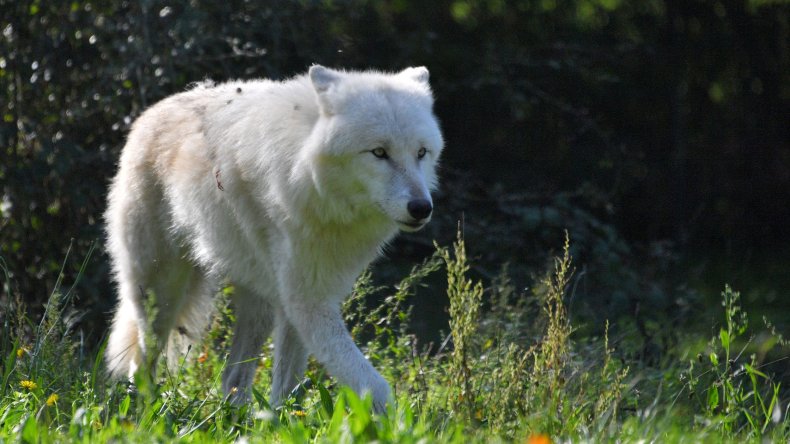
(511, 369)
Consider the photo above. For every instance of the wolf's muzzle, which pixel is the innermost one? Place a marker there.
(419, 209)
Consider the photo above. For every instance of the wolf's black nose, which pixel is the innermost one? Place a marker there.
(419, 208)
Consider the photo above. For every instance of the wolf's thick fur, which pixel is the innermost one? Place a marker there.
(288, 189)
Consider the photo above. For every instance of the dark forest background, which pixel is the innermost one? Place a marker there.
(654, 131)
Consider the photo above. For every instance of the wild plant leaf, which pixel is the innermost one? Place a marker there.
(30, 433)
(326, 400)
(753, 371)
(713, 398)
(123, 408)
(725, 338)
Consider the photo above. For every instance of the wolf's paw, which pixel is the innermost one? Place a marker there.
(236, 382)
(381, 392)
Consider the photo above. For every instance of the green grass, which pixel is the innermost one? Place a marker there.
(510, 370)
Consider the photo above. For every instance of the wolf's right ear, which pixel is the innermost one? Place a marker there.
(323, 79)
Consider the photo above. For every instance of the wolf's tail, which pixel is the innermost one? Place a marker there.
(124, 353)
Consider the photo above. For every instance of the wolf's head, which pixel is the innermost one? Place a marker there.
(377, 143)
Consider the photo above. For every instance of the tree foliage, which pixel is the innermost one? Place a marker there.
(657, 119)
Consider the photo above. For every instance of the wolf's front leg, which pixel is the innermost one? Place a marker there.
(290, 359)
(324, 334)
(253, 325)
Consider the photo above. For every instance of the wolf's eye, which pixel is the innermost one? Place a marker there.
(380, 152)
(421, 153)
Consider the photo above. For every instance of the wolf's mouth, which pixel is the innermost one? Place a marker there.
(410, 226)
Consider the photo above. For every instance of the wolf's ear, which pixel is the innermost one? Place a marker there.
(323, 80)
(418, 73)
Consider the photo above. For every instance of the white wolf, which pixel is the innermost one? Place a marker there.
(288, 190)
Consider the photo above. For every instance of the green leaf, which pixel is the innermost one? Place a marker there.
(714, 359)
(339, 412)
(123, 409)
(8, 366)
(753, 371)
(326, 400)
(260, 399)
(98, 362)
(30, 430)
(360, 413)
(725, 338)
(713, 398)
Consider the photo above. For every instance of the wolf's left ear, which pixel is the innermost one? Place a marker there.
(418, 73)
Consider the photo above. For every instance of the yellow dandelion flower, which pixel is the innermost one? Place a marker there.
(28, 384)
(299, 413)
(52, 400)
(21, 351)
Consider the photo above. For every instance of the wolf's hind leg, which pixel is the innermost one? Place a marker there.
(168, 290)
(192, 318)
(147, 311)
(254, 321)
